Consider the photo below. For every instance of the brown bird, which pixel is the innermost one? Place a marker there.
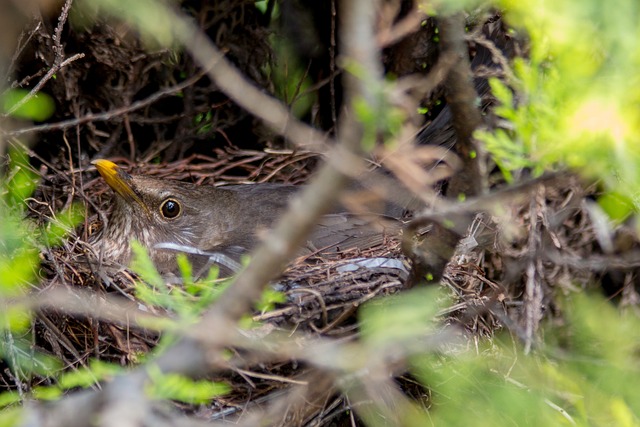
(211, 225)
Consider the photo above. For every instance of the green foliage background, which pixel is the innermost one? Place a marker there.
(577, 95)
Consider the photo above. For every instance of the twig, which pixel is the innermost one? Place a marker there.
(57, 34)
(332, 64)
(42, 82)
(108, 115)
(242, 91)
(19, 49)
(533, 288)
(58, 61)
(461, 97)
(407, 25)
(436, 249)
(84, 303)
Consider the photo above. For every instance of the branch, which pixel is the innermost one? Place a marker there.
(243, 92)
(111, 114)
(461, 97)
(434, 252)
(59, 61)
(280, 246)
(200, 352)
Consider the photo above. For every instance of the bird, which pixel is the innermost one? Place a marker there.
(213, 225)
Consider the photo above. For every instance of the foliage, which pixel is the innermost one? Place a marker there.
(188, 301)
(181, 388)
(18, 103)
(574, 99)
(291, 83)
(585, 373)
(21, 241)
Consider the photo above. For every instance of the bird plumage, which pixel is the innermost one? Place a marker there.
(168, 216)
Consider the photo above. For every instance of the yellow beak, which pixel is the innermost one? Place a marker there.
(118, 180)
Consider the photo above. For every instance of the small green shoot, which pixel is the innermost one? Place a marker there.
(181, 388)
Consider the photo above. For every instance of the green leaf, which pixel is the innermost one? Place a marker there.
(186, 271)
(62, 224)
(15, 318)
(502, 93)
(13, 416)
(17, 271)
(261, 5)
(181, 388)
(88, 376)
(269, 299)
(39, 107)
(47, 393)
(144, 267)
(208, 291)
(400, 318)
(21, 180)
(617, 206)
(18, 353)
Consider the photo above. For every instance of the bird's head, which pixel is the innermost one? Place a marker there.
(150, 210)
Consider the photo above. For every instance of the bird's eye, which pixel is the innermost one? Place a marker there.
(170, 208)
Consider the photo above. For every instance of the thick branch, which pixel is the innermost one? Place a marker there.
(437, 248)
(461, 97)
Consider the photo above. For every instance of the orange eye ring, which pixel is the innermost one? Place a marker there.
(170, 209)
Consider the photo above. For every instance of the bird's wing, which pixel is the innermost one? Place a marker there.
(336, 233)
